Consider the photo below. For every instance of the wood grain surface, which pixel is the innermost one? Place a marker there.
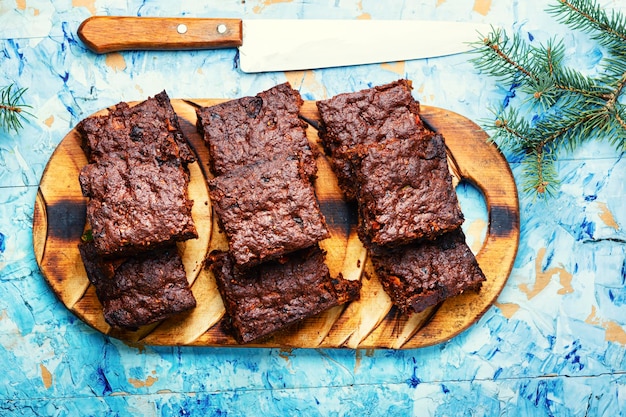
(104, 34)
(371, 322)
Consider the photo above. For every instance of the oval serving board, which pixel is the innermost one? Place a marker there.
(371, 322)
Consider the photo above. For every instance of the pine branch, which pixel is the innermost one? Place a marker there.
(509, 131)
(560, 107)
(503, 57)
(13, 110)
(540, 174)
(587, 16)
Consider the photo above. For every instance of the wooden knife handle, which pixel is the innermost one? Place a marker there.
(104, 34)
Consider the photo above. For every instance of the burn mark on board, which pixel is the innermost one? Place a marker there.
(340, 215)
(502, 220)
(316, 124)
(66, 219)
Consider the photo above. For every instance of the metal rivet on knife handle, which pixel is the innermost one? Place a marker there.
(104, 34)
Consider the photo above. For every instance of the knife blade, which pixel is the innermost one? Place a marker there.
(285, 45)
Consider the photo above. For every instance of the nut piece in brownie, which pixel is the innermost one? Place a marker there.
(138, 290)
(147, 131)
(422, 274)
(405, 191)
(277, 294)
(362, 118)
(249, 129)
(267, 209)
(136, 206)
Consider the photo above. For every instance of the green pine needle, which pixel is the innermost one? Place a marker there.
(13, 110)
(587, 16)
(560, 108)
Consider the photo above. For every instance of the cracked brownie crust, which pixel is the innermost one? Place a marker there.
(277, 294)
(267, 209)
(139, 290)
(405, 191)
(147, 131)
(363, 118)
(137, 179)
(420, 275)
(250, 129)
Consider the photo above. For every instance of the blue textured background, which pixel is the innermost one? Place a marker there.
(553, 344)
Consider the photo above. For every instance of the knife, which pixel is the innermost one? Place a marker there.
(285, 45)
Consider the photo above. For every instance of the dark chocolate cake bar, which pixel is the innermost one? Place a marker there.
(147, 131)
(267, 209)
(251, 129)
(138, 290)
(137, 178)
(362, 118)
(276, 294)
(420, 275)
(405, 191)
(135, 207)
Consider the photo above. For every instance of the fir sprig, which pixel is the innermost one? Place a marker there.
(13, 110)
(587, 16)
(561, 107)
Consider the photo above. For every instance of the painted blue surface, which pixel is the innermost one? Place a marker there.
(554, 343)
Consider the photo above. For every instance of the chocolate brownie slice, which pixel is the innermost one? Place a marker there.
(365, 117)
(137, 178)
(144, 132)
(420, 275)
(405, 191)
(277, 294)
(138, 290)
(136, 206)
(250, 129)
(267, 209)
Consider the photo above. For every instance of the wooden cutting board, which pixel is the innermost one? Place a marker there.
(371, 322)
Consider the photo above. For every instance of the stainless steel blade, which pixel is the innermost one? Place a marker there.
(284, 45)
